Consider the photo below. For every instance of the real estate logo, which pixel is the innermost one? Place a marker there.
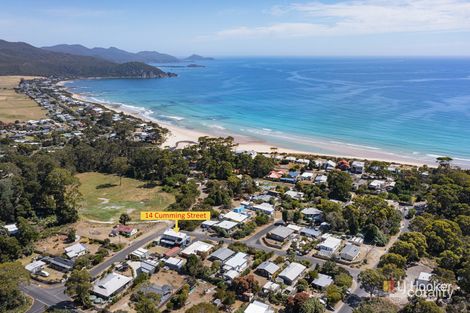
(431, 290)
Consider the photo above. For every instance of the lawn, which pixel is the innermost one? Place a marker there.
(104, 199)
(14, 106)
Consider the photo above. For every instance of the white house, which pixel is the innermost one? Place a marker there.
(35, 267)
(295, 194)
(377, 184)
(236, 217)
(322, 281)
(197, 248)
(264, 207)
(424, 279)
(357, 167)
(329, 246)
(258, 307)
(75, 251)
(292, 273)
(321, 179)
(172, 238)
(12, 229)
(140, 254)
(174, 263)
(238, 262)
(312, 214)
(350, 252)
(110, 285)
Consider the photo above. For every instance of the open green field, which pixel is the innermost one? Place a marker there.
(105, 200)
(14, 106)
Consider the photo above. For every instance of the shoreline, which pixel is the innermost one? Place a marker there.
(179, 135)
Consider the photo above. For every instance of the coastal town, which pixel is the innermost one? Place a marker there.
(287, 233)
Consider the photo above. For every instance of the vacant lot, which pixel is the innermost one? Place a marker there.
(14, 106)
(105, 199)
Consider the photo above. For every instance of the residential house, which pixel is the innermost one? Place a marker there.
(267, 269)
(221, 254)
(236, 217)
(280, 233)
(59, 263)
(270, 287)
(172, 238)
(197, 248)
(377, 184)
(174, 263)
(295, 194)
(12, 229)
(264, 207)
(126, 231)
(350, 252)
(322, 281)
(329, 246)
(75, 250)
(228, 226)
(312, 214)
(357, 167)
(258, 307)
(35, 267)
(237, 262)
(208, 224)
(110, 285)
(423, 280)
(310, 232)
(164, 291)
(306, 176)
(321, 179)
(139, 254)
(291, 273)
(147, 266)
(329, 165)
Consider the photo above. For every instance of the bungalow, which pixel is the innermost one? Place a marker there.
(231, 275)
(174, 263)
(197, 248)
(228, 226)
(357, 167)
(264, 207)
(295, 228)
(267, 269)
(322, 281)
(238, 262)
(172, 238)
(126, 231)
(312, 214)
(164, 291)
(110, 285)
(329, 246)
(329, 165)
(306, 176)
(75, 251)
(321, 179)
(275, 175)
(295, 194)
(291, 177)
(147, 267)
(292, 273)
(350, 252)
(303, 161)
(139, 254)
(377, 184)
(423, 280)
(59, 263)
(280, 233)
(12, 229)
(221, 254)
(35, 267)
(310, 232)
(270, 287)
(258, 307)
(236, 217)
(208, 224)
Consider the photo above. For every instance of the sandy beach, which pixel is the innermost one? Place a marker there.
(180, 136)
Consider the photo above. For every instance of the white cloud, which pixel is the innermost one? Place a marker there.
(360, 17)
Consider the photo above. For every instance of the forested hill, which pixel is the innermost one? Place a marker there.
(114, 54)
(19, 58)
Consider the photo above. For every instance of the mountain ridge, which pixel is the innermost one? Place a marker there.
(20, 58)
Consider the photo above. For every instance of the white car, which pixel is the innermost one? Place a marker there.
(44, 274)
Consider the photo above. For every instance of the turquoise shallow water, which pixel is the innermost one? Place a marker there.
(408, 106)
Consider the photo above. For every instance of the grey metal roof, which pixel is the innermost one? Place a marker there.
(269, 267)
(322, 281)
(222, 254)
(282, 231)
(351, 250)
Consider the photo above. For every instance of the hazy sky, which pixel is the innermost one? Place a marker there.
(235, 28)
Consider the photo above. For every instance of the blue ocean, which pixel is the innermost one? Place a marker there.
(418, 108)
